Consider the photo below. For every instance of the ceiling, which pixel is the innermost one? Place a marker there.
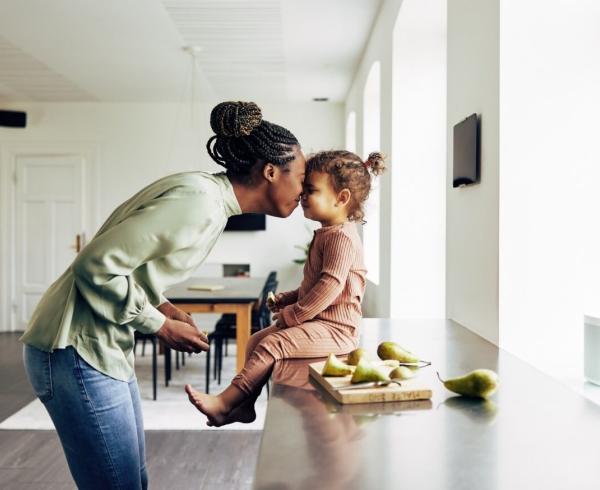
(131, 50)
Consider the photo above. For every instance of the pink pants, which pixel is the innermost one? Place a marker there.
(310, 339)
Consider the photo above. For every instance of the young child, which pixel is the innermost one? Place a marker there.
(322, 316)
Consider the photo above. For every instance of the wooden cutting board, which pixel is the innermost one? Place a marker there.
(411, 389)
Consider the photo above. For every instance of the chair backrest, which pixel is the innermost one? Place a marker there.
(264, 313)
(272, 276)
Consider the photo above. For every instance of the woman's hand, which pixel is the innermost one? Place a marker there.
(171, 311)
(180, 337)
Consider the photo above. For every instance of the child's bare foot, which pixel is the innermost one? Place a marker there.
(245, 413)
(211, 406)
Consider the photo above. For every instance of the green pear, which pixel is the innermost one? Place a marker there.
(335, 367)
(402, 372)
(391, 350)
(481, 383)
(365, 371)
(355, 356)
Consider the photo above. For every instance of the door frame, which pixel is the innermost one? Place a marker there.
(9, 152)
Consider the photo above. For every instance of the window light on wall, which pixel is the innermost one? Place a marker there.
(372, 142)
(351, 132)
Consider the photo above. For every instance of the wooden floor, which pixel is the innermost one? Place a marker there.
(176, 459)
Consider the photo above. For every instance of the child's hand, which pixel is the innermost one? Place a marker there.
(278, 320)
(272, 300)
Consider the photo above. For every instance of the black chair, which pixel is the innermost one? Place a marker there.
(138, 336)
(225, 329)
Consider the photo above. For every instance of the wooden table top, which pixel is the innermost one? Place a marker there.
(236, 290)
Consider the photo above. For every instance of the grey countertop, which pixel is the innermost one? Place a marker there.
(534, 433)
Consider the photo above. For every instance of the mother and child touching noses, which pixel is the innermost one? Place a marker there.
(79, 344)
(322, 316)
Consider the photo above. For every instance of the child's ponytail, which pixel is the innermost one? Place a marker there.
(375, 163)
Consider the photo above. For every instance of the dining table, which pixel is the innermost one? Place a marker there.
(237, 295)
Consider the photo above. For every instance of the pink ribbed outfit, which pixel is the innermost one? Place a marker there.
(322, 316)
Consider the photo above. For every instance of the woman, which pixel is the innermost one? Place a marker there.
(78, 349)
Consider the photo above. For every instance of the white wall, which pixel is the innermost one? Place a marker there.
(379, 48)
(524, 245)
(419, 176)
(550, 172)
(135, 144)
(472, 212)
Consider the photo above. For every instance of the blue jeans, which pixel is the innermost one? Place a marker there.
(98, 419)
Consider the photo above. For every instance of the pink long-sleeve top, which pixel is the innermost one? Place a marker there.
(334, 280)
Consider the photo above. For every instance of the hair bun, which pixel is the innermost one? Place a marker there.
(375, 163)
(235, 118)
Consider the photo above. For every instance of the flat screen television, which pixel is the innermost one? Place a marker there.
(246, 222)
(466, 152)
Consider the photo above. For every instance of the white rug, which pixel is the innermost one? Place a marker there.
(171, 410)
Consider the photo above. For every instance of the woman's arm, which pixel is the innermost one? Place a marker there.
(337, 258)
(102, 270)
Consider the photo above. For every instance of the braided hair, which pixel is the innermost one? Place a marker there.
(242, 138)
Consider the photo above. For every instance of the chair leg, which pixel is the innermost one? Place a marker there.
(177, 360)
(167, 365)
(154, 368)
(226, 345)
(217, 343)
(207, 370)
(143, 347)
(220, 363)
(183, 358)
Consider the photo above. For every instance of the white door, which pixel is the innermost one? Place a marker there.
(49, 224)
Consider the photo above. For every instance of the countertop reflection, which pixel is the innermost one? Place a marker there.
(534, 433)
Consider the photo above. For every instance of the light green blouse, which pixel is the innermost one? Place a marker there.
(152, 241)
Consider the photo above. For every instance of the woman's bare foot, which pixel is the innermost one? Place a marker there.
(211, 406)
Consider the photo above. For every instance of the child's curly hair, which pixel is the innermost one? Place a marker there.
(348, 171)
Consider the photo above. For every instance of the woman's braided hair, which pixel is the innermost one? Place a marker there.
(242, 138)
(348, 171)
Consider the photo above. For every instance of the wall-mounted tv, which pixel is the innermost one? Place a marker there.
(246, 222)
(466, 152)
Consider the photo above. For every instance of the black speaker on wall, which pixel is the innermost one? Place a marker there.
(13, 119)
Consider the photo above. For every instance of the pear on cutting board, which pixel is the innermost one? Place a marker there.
(481, 383)
(335, 367)
(402, 372)
(355, 356)
(365, 372)
(391, 350)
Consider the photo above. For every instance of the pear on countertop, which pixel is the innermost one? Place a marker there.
(480, 383)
